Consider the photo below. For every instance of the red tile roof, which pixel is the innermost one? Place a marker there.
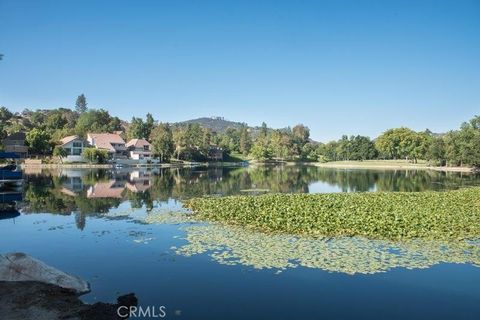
(138, 143)
(105, 140)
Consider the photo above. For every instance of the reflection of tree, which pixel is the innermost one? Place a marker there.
(237, 246)
(43, 194)
(64, 193)
(140, 199)
(80, 220)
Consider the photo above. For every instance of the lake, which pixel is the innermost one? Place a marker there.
(125, 231)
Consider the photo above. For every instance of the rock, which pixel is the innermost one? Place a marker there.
(31, 300)
(21, 267)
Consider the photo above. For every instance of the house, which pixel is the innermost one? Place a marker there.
(111, 142)
(73, 146)
(139, 149)
(16, 143)
(215, 153)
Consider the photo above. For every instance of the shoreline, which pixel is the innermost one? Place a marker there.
(110, 165)
(387, 166)
(367, 164)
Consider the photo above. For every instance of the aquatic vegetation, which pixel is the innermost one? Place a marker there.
(234, 245)
(168, 217)
(444, 215)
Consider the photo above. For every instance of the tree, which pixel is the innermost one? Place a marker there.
(38, 141)
(462, 147)
(136, 129)
(230, 140)
(5, 116)
(149, 125)
(282, 145)
(309, 152)
(94, 155)
(180, 142)
(206, 142)
(437, 152)
(402, 143)
(193, 136)
(301, 134)
(139, 129)
(362, 148)
(59, 152)
(162, 141)
(261, 150)
(81, 104)
(263, 131)
(245, 141)
(96, 121)
(55, 121)
(327, 152)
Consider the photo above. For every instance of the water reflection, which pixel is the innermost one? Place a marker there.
(95, 192)
(8, 202)
(230, 245)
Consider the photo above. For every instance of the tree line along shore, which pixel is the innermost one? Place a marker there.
(44, 130)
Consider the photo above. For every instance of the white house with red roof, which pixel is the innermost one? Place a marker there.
(139, 149)
(73, 146)
(111, 142)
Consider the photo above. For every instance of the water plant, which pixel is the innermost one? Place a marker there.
(448, 215)
(236, 245)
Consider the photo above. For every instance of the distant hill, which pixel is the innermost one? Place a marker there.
(219, 125)
(216, 124)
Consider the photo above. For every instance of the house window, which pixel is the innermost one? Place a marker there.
(146, 148)
(77, 144)
(68, 150)
(77, 151)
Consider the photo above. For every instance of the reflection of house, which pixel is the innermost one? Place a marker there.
(139, 149)
(16, 143)
(73, 145)
(138, 186)
(109, 189)
(111, 142)
(215, 153)
(72, 185)
(139, 181)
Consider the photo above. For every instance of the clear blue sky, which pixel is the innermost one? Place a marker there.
(337, 66)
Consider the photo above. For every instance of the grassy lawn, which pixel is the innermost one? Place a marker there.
(378, 215)
(377, 163)
(235, 157)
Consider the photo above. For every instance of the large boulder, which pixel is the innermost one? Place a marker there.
(21, 267)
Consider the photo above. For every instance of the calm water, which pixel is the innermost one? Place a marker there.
(125, 231)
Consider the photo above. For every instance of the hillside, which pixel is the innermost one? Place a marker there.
(216, 124)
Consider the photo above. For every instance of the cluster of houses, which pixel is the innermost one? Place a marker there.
(134, 151)
(113, 143)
